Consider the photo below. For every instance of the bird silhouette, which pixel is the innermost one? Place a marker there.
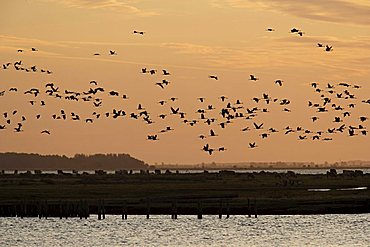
(279, 82)
(160, 85)
(153, 137)
(165, 72)
(253, 78)
(45, 132)
(212, 133)
(174, 111)
(139, 32)
(252, 145)
(294, 30)
(18, 128)
(258, 126)
(328, 48)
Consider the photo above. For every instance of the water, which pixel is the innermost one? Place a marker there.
(312, 230)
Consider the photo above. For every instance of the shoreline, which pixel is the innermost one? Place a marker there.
(236, 193)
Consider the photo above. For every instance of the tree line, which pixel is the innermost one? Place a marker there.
(31, 161)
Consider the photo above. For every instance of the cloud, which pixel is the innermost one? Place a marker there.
(355, 43)
(350, 56)
(302, 53)
(31, 42)
(337, 11)
(126, 6)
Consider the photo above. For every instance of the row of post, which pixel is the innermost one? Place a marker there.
(66, 209)
(45, 209)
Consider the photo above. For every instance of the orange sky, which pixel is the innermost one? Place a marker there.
(192, 40)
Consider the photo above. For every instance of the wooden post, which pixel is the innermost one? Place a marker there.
(103, 209)
(25, 209)
(39, 209)
(80, 209)
(124, 211)
(46, 209)
(66, 210)
(21, 209)
(99, 210)
(147, 209)
(227, 210)
(199, 210)
(255, 207)
(220, 210)
(174, 210)
(87, 208)
(60, 209)
(14, 210)
(249, 208)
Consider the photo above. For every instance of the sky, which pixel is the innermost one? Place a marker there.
(191, 40)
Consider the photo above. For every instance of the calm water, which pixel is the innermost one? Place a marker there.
(314, 230)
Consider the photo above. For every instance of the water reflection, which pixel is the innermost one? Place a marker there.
(312, 230)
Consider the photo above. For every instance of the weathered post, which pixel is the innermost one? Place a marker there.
(14, 210)
(255, 207)
(60, 209)
(66, 210)
(199, 210)
(220, 210)
(21, 209)
(249, 208)
(174, 210)
(46, 211)
(80, 209)
(227, 210)
(147, 208)
(99, 210)
(103, 209)
(124, 211)
(39, 205)
(87, 209)
(24, 209)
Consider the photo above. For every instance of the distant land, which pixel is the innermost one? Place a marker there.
(30, 161)
(267, 165)
(83, 162)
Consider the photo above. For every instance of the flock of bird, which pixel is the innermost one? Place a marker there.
(337, 98)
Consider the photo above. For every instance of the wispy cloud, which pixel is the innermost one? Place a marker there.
(349, 56)
(30, 42)
(125, 6)
(298, 53)
(338, 11)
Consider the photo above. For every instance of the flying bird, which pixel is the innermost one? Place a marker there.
(165, 72)
(279, 82)
(45, 132)
(328, 48)
(253, 78)
(139, 32)
(252, 145)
